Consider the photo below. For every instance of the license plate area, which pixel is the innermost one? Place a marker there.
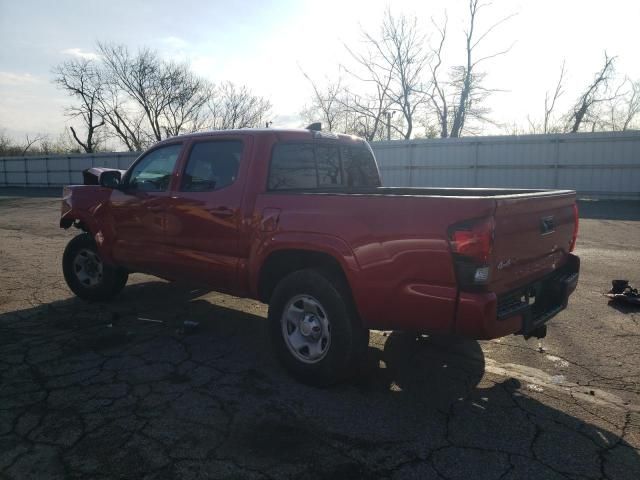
(538, 301)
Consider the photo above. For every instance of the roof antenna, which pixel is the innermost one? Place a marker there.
(316, 127)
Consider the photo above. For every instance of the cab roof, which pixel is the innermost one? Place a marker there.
(283, 134)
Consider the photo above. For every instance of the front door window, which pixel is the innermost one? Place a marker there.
(153, 173)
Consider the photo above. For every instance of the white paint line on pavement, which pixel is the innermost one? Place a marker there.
(538, 380)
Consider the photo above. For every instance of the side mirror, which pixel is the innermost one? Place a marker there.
(110, 179)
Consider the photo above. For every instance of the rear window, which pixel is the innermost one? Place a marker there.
(329, 167)
(293, 166)
(359, 168)
(306, 166)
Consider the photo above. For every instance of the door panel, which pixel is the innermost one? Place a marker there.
(138, 219)
(205, 215)
(139, 211)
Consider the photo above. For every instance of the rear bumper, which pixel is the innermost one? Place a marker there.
(521, 311)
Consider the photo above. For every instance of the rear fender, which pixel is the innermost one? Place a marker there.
(313, 242)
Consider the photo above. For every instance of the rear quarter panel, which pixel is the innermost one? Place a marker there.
(394, 249)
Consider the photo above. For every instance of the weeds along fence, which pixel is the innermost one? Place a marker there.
(598, 165)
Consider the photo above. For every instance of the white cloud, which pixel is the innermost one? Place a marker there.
(206, 66)
(79, 53)
(289, 120)
(175, 43)
(12, 78)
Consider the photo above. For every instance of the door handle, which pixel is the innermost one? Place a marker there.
(221, 212)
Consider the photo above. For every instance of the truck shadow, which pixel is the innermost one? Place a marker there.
(122, 390)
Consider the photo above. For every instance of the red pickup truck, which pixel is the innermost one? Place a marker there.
(298, 219)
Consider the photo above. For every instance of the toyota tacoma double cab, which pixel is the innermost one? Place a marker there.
(298, 219)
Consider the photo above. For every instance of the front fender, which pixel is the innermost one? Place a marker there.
(87, 207)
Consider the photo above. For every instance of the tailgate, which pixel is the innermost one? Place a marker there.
(533, 235)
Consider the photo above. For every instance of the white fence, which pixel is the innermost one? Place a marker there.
(57, 170)
(600, 165)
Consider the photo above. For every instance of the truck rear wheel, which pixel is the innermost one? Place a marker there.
(315, 330)
(86, 274)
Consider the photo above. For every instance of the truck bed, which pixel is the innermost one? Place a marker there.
(399, 238)
(435, 192)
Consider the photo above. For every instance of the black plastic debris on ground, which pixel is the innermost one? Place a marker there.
(621, 291)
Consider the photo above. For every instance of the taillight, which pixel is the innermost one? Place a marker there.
(574, 238)
(471, 244)
(473, 240)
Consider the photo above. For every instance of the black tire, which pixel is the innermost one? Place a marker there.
(107, 285)
(348, 339)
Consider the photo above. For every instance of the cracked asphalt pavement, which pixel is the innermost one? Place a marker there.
(124, 390)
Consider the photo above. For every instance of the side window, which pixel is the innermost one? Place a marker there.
(212, 165)
(153, 173)
(292, 166)
(329, 168)
(359, 168)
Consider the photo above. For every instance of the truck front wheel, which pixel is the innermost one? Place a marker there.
(86, 274)
(315, 330)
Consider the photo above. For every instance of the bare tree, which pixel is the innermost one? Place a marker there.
(550, 100)
(437, 95)
(619, 111)
(141, 78)
(64, 143)
(326, 105)
(234, 106)
(368, 108)
(631, 107)
(30, 142)
(169, 95)
(595, 93)
(6, 144)
(38, 144)
(124, 118)
(460, 97)
(185, 112)
(467, 78)
(143, 99)
(365, 114)
(403, 44)
(391, 69)
(81, 79)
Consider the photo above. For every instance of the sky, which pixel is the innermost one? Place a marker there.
(267, 45)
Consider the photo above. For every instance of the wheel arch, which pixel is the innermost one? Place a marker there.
(78, 219)
(281, 262)
(88, 223)
(74, 220)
